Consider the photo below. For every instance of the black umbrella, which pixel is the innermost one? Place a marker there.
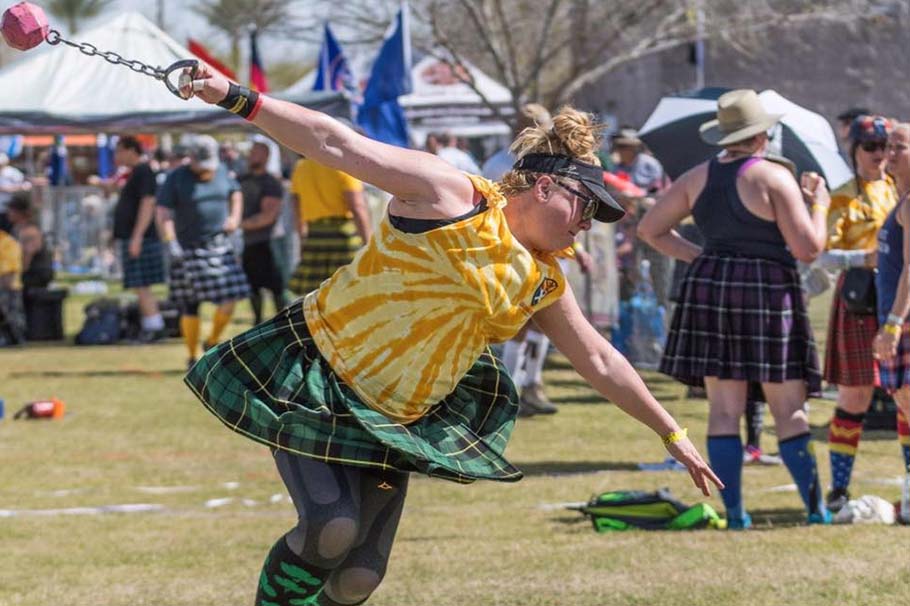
(803, 137)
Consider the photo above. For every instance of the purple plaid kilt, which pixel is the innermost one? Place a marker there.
(848, 352)
(210, 272)
(895, 373)
(741, 319)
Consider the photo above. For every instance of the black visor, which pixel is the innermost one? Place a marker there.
(591, 175)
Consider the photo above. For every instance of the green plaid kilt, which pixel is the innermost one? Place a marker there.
(331, 243)
(272, 385)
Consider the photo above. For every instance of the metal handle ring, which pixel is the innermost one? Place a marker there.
(178, 65)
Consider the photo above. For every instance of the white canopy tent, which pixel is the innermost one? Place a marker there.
(441, 101)
(61, 90)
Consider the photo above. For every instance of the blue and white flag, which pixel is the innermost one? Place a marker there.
(333, 72)
(380, 115)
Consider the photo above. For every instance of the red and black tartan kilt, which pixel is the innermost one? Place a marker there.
(848, 352)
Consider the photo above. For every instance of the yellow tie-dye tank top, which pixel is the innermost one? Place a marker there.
(404, 322)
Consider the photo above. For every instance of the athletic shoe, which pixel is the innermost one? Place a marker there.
(836, 499)
(822, 518)
(743, 523)
(753, 455)
(151, 336)
(525, 411)
(534, 398)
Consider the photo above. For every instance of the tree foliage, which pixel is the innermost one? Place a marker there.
(236, 18)
(547, 50)
(74, 11)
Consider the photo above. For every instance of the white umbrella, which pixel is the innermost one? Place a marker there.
(803, 136)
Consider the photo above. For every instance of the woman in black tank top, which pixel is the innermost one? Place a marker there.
(741, 316)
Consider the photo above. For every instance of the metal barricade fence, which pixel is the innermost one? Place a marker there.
(78, 221)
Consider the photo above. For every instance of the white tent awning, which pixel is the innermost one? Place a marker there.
(60, 89)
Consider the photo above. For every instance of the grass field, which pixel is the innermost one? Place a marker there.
(135, 435)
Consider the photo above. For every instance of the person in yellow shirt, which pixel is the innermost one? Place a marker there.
(332, 221)
(385, 369)
(858, 209)
(12, 312)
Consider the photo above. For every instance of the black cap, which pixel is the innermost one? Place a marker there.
(848, 115)
(591, 175)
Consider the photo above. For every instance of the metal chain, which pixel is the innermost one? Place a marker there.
(54, 38)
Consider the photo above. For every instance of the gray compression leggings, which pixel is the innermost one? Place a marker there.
(346, 522)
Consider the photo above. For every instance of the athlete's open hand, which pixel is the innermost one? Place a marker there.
(204, 82)
(686, 453)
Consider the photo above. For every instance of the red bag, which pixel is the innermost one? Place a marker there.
(42, 409)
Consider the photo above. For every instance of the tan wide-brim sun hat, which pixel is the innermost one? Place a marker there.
(740, 115)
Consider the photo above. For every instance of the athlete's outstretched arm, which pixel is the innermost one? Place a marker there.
(409, 175)
(611, 374)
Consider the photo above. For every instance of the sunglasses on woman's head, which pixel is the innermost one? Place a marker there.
(590, 203)
(873, 146)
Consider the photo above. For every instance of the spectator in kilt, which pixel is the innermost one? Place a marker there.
(892, 343)
(134, 227)
(385, 368)
(858, 210)
(12, 312)
(199, 205)
(332, 220)
(741, 316)
(262, 199)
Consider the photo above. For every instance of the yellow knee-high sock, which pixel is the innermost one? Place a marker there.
(219, 322)
(189, 328)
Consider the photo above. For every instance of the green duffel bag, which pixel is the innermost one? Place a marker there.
(657, 510)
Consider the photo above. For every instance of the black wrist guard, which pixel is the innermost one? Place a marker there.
(241, 101)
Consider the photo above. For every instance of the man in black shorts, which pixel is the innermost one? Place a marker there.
(262, 199)
(134, 226)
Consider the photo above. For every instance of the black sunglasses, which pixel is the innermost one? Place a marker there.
(873, 146)
(590, 202)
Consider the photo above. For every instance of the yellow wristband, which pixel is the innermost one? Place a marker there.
(821, 206)
(676, 436)
(892, 329)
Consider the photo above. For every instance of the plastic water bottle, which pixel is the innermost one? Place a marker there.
(904, 510)
(647, 339)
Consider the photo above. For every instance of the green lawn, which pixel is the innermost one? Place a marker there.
(135, 435)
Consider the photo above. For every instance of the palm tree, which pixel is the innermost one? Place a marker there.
(235, 18)
(73, 11)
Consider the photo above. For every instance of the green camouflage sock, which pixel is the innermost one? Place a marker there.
(287, 580)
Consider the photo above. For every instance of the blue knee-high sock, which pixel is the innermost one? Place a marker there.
(726, 456)
(800, 461)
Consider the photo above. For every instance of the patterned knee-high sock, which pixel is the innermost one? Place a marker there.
(843, 440)
(903, 435)
(800, 461)
(286, 580)
(726, 455)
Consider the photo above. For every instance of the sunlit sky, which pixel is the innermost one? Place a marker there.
(181, 22)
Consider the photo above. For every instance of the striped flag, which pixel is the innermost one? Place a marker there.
(258, 81)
